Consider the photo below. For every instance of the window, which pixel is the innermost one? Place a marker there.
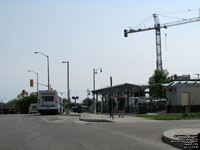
(47, 98)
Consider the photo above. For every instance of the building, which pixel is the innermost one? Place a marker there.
(130, 92)
(180, 78)
(183, 94)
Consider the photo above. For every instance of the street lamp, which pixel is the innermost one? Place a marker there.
(95, 71)
(68, 97)
(47, 66)
(37, 80)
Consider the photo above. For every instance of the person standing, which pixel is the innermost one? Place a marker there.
(111, 105)
(168, 106)
(121, 105)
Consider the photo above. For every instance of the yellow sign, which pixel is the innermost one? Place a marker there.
(185, 99)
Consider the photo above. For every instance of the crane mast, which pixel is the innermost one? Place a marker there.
(157, 27)
(158, 42)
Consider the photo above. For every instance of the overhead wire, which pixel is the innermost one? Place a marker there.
(171, 17)
(142, 23)
(166, 42)
(179, 11)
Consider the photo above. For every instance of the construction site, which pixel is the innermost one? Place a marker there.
(182, 92)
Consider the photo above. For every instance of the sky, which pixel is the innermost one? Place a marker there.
(89, 34)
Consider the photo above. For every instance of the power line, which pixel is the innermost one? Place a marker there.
(173, 12)
(171, 17)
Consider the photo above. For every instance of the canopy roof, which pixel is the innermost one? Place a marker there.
(120, 88)
(174, 83)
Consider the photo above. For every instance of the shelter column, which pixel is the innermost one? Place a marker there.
(127, 101)
(102, 103)
(96, 102)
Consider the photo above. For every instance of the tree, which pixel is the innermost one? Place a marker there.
(23, 102)
(159, 77)
(87, 102)
(66, 102)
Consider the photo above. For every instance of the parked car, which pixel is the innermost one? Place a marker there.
(32, 108)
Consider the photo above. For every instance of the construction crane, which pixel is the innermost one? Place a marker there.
(157, 26)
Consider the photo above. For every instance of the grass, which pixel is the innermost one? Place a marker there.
(171, 116)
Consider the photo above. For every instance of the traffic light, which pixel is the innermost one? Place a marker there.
(23, 92)
(31, 82)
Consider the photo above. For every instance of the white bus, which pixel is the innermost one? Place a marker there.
(49, 102)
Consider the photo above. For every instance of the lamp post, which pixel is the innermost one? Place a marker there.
(47, 67)
(68, 97)
(95, 71)
(37, 80)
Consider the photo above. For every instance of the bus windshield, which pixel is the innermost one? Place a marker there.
(47, 98)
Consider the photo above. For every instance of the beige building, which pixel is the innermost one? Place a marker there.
(182, 94)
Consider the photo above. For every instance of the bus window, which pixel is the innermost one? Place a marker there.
(47, 98)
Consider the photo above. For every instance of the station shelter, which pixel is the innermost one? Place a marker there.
(127, 90)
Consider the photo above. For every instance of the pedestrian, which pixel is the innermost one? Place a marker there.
(121, 105)
(168, 106)
(111, 105)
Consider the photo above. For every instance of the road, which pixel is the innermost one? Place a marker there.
(22, 132)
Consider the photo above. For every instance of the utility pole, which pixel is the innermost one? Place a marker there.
(68, 94)
(111, 83)
(47, 67)
(37, 79)
(95, 72)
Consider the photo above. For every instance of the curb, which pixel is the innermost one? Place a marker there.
(181, 138)
(95, 120)
(174, 144)
(70, 115)
(88, 120)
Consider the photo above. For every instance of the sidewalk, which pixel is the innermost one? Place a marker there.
(175, 137)
(182, 138)
(91, 117)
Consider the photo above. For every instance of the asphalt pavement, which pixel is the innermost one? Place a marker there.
(22, 132)
(183, 138)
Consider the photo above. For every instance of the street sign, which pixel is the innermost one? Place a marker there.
(75, 97)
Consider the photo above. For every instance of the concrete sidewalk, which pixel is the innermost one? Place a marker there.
(175, 137)
(186, 138)
(91, 117)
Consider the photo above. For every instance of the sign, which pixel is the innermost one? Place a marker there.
(75, 97)
(185, 99)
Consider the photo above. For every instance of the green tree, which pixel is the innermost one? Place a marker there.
(87, 102)
(23, 102)
(66, 102)
(159, 77)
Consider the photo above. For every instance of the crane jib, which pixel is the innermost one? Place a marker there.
(157, 27)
